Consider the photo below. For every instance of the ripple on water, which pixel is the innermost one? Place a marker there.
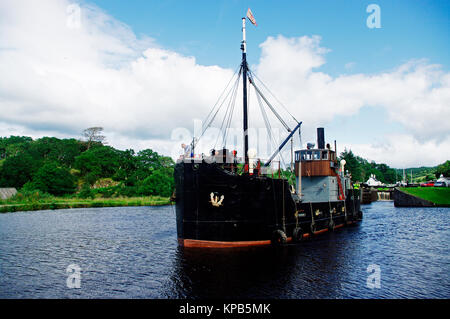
(132, 252)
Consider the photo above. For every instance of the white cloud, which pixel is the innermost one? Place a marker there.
(415, 94)
(59, 79)
(55, 77)
(402, 151)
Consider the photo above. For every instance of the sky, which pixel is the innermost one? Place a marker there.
(146, 71)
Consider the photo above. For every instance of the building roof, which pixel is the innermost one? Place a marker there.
(6, 193)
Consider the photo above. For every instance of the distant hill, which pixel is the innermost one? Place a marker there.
(361, 169)
(419, 174)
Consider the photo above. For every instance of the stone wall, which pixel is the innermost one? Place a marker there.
(402, 199)
(368, 195)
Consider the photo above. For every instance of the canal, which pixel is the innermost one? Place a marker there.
(132, 252)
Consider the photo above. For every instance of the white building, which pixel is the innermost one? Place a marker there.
(446, 180)
(372, 181)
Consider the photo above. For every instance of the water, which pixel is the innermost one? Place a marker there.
(133, 253)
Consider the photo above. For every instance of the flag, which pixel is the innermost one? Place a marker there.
(251, 17)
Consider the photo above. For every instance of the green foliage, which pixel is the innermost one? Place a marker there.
(86, 192)
(158, 183)
(437, 195)
(419, 174)
(51, 178)
(128, 166)
(56, 166)
(128, 191)
(29, 196)
(11, 146)
(106, 192)
(102, 161)
(53, 149)
(443, 169)
(17, 170)
(361, 169)
(353, 165)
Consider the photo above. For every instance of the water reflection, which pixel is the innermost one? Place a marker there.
(133, 253)
(312, 269)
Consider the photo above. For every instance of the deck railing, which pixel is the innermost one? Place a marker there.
(238, 166)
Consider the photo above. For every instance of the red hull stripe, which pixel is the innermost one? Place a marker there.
(223, 244)
(231, 244)
(320, 231)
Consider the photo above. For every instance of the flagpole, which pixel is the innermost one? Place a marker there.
(244, 81)
(244, 40)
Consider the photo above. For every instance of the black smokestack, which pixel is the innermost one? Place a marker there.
(320, 138)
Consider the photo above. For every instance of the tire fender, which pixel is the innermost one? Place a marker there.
(279, 237)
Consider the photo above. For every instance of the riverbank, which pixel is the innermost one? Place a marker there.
(9, 206)
(422, 196)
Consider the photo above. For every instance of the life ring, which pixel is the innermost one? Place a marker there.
(297, 234)
(278, 238)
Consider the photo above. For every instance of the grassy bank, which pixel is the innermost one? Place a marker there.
(28, 204)
(437, 195)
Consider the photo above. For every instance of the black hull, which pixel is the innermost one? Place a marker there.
(254, 210)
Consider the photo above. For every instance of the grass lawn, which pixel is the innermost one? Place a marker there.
(15, 204)
(437, 195)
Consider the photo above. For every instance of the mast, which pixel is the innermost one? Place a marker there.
(244, 82)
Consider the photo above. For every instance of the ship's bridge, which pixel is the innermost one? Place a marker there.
(316, 171)
(315, 162)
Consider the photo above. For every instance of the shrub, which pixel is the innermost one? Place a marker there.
(86, 192)
(54, 180)
(158, 183)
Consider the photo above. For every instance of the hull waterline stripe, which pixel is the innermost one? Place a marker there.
(223, 244)
(196, 243)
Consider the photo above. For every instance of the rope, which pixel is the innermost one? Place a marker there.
(267, 124)
(274, 97)
(210, 121)
(228, 113)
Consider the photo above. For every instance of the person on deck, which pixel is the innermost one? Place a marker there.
(187, 150)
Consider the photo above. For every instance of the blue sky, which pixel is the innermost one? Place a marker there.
(383, 92)
(210, 30)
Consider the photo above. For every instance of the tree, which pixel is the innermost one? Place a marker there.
(53, 179)
(98, 162)
(158, 183)
(352, 165)
(127, 167)
(11, 146)
(93, 136)
(17, 170)
(134, 169)
(443, 169)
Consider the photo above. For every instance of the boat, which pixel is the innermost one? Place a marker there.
(223, 201)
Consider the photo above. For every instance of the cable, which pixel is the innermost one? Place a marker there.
(285, 108)
(205, 127)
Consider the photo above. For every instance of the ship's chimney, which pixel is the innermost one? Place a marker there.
(320, 138)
